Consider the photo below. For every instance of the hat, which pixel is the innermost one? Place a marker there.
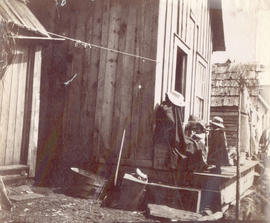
(195, 122)
(194, 118)
(218, 121)
(176, 98)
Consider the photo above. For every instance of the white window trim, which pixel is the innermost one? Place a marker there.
(186, 49)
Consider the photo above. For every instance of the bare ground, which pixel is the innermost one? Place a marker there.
(58, 207)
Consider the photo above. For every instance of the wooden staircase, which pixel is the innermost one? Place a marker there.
(14, 173)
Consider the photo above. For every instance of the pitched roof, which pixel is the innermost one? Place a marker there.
(16, 12)
(225, 82)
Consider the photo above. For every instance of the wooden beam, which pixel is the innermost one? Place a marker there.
(33, 136)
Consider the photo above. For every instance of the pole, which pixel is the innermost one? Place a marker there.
(119, 158)
(238, 157)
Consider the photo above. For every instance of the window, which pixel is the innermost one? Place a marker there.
(180, 73)
(200, 90)
(179, 79)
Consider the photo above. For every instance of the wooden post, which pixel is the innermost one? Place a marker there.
(238, 156)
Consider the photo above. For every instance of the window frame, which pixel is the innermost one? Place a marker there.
(201, 60)
(178, 43)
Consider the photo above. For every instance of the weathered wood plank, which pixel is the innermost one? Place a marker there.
(163, 211)
(13, 169)
(20, 109)
(174, 15)
(180, 17)
(75, 89)
(228, 193)
(6, 82)
(94, 71)
(192, 90)
(186, 20)
(136, 91)
(110, 74)
(144, 149)
(86, 89)
(208, 39)
(125, 72)
(170, 35)
(189, 27)
(12, 111)
(183, 23)
(200, 29)
(177, 197)
(1, 99)
(160, 51)
(33, 136)
(167, 44)
(142, 81)
(127, 80)
(205, 12)
(27, 104)
(67, 122)
(99, 143)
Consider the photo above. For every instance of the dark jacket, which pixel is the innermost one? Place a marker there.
(184, 151)
(217, 153)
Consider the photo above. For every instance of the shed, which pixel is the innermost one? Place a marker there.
(254, 114)
(167, 48)
(22, 37)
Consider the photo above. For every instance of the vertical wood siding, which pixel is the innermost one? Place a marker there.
(113, 92)
(15, 93)
(193, 29)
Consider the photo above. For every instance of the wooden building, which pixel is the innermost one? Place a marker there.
(22, 37)
(108, 91)
(254, 112)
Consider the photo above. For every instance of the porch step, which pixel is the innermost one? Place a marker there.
(14, 169)
(12, 179)
(14, 173)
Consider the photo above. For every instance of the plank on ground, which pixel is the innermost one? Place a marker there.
(163, 211)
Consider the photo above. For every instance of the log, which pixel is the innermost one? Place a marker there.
(162, 211)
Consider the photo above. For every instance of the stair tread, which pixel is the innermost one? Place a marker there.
(13, 167)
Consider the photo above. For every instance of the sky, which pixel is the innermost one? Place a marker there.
(247, 33)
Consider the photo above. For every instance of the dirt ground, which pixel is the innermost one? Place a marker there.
(58, 207)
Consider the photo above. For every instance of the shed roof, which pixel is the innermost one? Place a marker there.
(17, 13)
(225, 82)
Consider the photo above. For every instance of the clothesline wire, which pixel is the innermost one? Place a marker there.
(102, 47)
